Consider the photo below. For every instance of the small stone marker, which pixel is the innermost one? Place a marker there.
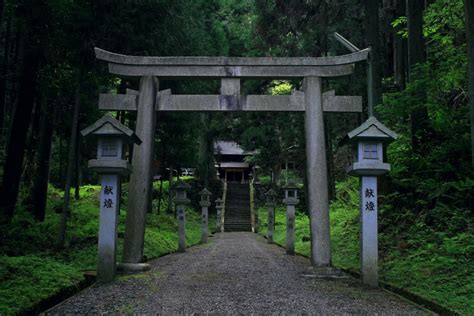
(291, 200)
(219, 205)
(369, 141)
(110, 165)
(270, 203)
(181, 201)
(205, 203)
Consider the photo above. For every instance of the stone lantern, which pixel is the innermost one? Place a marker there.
(291, 200)
(181, 201)
(270, 197)
(205, 203)
(369, 143)
(219, 206)
(110, 165)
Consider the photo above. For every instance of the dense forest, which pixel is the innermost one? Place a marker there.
(423, 88)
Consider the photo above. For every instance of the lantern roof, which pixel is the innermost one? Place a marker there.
(205, 192)
(371, 129)
(291, 185)
(219, 200)
(109, 126)
(271, 192)
(181, 185)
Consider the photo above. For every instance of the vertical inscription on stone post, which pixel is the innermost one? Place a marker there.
(271, 223)
(109, 204)
(181, 229)
(369, 240)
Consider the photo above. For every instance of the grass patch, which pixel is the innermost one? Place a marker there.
(434, 265)
(31, 269)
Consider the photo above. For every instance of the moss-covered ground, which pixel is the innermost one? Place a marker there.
(434, 265)
(32, 269)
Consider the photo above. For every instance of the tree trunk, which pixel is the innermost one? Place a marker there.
(419, 119)
(170, 191)
(469, 18)
(40, 183)
(19, 131)
(373, 41)
(70, 167)
(330, 158)
(416, 42)
(160, 196)
(77, 174)
(203, 155)
(3, 76)
(400, 49)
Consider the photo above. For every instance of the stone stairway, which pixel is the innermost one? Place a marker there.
(237, 208)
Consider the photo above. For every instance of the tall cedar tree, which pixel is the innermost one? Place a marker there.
(373, 41)
(34, 17)
(400, 49)
(420, 125)
(469, 18)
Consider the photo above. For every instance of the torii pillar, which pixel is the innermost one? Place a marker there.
(140, 180)
(316, 169)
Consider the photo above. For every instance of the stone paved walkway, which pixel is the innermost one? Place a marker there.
(234, 273)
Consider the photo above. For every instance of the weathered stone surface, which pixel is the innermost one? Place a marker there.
(112, 102)
(316, 168)
(204, 224)
(165, 101)
(290, 229)
(271, 223)
(369, 231)
(181, 227)
(231, 61)
(230, 86)
(121, 167)
(108, 221)
(140, 180)
(275, 72)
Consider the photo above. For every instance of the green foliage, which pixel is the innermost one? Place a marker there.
(26, 280)
(31, 269)
(432, 263)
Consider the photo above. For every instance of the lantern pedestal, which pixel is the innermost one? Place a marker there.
(369, 231)
(291, 199)
(205, 203)
(290, 224)
(270, 203)
(109, 206)
(181, 201)
(271, 222)
(219, 205)
(204, 219)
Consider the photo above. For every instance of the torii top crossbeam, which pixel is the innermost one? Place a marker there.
(231, 67)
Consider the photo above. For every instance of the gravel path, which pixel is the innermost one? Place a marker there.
(236, 273)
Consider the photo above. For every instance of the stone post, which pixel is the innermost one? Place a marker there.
(181, 202)
(368, 230)
(318, 202)
(205, 203)
(219, 204)
(291, 200)
(270, 203)
(108, 221)
(140, 181)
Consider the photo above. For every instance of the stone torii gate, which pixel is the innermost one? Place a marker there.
(230, 70)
